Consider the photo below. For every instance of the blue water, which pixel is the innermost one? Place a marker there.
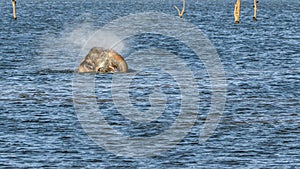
(259, 127)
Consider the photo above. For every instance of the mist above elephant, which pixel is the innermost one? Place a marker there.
(103, 61)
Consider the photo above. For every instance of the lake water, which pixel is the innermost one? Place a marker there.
(42, 97)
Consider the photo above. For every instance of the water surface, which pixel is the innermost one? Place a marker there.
(259, 127)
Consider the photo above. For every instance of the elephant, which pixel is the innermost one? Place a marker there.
(102, 61)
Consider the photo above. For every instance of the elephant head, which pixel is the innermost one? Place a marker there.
(103, 61)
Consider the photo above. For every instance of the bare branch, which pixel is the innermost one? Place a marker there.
(14, 4)
(254, 8)
(180, 13)
(237, 9)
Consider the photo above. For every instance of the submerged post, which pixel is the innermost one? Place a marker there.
(237, 9)
(180, 13)
(14, 4)
(255, 8)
